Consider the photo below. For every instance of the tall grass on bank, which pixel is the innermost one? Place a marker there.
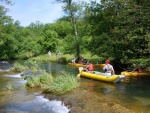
(45, 58)
(63, 83)
(39, 81)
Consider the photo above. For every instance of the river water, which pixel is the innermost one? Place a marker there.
(133, 92)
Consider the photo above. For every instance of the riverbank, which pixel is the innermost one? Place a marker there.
(88, 101)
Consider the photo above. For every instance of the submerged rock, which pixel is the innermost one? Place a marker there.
(87, 101)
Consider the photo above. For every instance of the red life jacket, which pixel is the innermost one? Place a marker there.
(90, 67)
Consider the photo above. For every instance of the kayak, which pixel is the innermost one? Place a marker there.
(82, 65)
(76, 64)
(100, 76)
(126, 73)
(100, 65)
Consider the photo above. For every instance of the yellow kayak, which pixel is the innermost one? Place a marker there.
(126, 73)
(82, 65)
(100, 65)
(76, 64)
(101, 76)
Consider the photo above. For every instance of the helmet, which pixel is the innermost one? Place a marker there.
(107, 61)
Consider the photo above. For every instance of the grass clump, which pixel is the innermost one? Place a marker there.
(9, 87)
(17, 67)
(39, 81)
(63, 83)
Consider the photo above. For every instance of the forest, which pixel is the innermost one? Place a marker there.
(115, 29)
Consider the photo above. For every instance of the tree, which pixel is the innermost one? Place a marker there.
(72, 9)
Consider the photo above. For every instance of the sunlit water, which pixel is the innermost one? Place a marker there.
(133, 92)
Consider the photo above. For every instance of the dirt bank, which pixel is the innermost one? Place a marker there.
(88, 101)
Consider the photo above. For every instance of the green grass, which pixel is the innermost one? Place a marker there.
(63, 83)
(9, 87)
(17, 67)
(39, 81)
(68, 57)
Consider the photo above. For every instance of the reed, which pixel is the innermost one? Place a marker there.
(63, 83)
(9, 87)
(17, 67)
(39, 81)
(29, 64)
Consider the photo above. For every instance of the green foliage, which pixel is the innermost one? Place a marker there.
(69, 44)
(63, 83)
(140, 62)
(124, 23)
(118, 30)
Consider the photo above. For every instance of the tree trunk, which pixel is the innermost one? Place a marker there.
(75, 31)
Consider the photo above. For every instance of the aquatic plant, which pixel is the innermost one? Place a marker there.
(27, 65)
(18, 67)
(32, 65)
(46, 78)
(34, 82)
(63, 83)
(39, 81)
(9, 86)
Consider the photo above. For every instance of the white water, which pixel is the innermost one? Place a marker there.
(14, 75)
(4, 70)
(38, 104)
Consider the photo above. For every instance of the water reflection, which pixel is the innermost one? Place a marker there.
(133, 91)
(4, 66)
(54, 68)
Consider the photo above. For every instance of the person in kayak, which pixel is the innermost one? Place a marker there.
(139, 69)
(108, 68)
(89, 66)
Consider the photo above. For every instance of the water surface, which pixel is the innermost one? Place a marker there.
(133, 93)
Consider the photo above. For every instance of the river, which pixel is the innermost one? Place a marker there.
(133, 92)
